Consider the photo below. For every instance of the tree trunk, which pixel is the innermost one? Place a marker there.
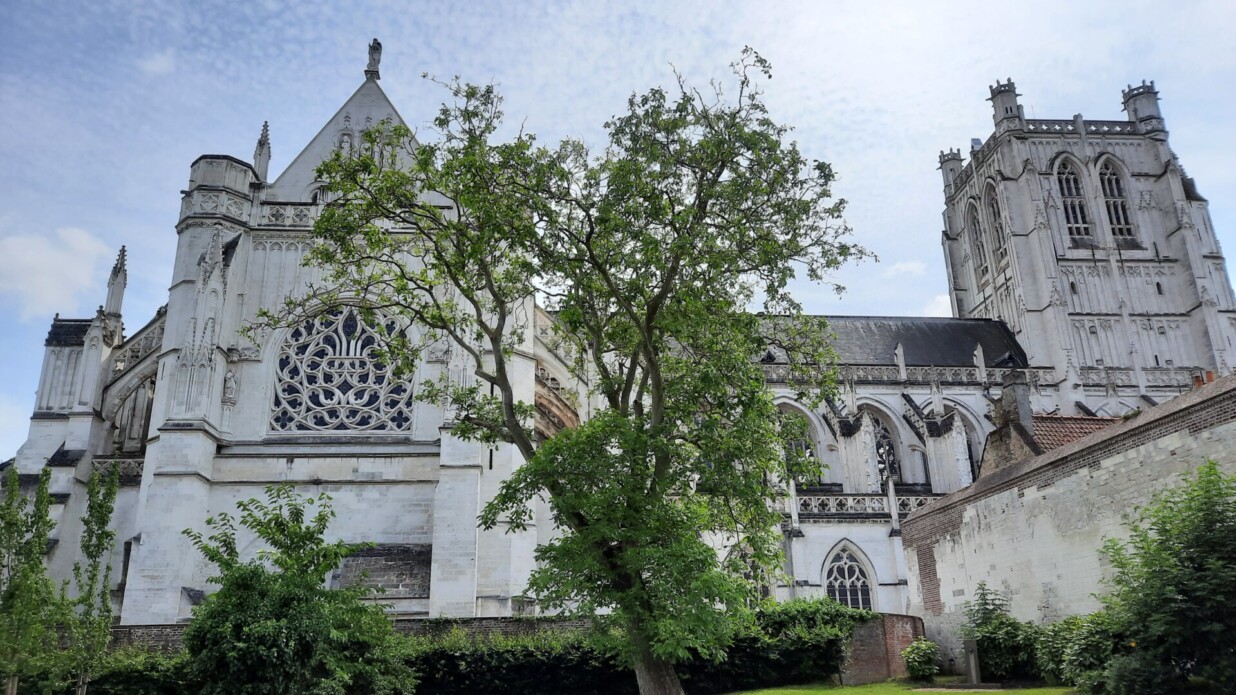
(654, 676)
(81, 684)
(10, 685)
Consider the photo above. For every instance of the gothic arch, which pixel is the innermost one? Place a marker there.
(822, 446)
(993, 209)
(1115, 186)
(978, 243)
(972, 424)
(891, 450)
(848, 576)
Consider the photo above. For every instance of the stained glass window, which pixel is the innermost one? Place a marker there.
(846, 582)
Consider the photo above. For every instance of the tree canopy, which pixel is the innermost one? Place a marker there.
(649, 254)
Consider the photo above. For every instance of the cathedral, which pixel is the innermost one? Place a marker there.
(1085, 278)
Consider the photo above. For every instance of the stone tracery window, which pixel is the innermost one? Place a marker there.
(1115, 201)
(977, 243)
(330, 379)
(999, 243)
(1073, 199)
(886, 452)
(846, 581)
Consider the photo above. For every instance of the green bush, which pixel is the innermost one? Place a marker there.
(125, 671)
(1005, 645)
(922, 659)
(1173, 598)
(1076, 651)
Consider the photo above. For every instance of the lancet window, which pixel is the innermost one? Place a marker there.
(1073, 200)
(1116, 202)
(846, 581)
(329, 378)
(999, 242)
(977, 243)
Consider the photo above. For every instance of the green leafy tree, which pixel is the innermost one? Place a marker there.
(649, 254)
(27, 596)
(87, 614)
(1005, 645)
(273, 627)
(1173, 588)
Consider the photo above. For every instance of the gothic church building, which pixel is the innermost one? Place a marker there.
(1083, 270)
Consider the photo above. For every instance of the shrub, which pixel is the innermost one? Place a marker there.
(922, 659)
(1076, 651)
(1005, 645)
(1173, 598)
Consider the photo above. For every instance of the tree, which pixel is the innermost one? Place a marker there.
(273, 627)
(88, 614)
(27, 596)
(1005, 645)
(649, 254)
(1173, 588)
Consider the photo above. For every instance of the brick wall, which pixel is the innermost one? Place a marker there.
(874, 652)
(401, 571)
(1033, 529)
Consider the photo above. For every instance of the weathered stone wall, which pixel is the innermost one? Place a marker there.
(1033, 530)
(400, 571)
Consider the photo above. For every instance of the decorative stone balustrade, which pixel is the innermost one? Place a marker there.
(144, 342)
(288, 214)
(818, 508)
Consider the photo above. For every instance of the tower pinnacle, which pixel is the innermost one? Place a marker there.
(261, 154)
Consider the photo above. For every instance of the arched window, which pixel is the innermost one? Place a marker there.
(1073, 199)
(329, 378)
(976, 242)
(999, 243)
(886, 453)
(846, 581)
(1116, 202)
(801, 447)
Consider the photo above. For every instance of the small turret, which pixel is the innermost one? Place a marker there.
(1141, 102)
(116, 284)
(261, 155)
(1004, 101)
(950, 165)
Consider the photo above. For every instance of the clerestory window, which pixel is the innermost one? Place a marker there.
(1116, 202)
(846, 581)
(886, 453)
(1073, 200)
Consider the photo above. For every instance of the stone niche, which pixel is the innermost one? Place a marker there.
(400, 571)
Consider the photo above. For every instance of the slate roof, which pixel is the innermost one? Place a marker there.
(67, 332)
(1054, 431)
(941, 342)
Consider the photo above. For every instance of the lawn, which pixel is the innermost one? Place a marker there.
(891, 688)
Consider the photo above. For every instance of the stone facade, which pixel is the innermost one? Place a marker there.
(199, 415)
(1033, 530)
(1089, 240)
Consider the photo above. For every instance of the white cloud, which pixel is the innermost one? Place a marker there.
(157, 64)
(46, 274)
(905, 268)
(938, 306)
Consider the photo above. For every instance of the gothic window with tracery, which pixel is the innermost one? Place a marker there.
(1073, 200)
(329, 379)
(999, 243)
(886, 453)
(976, 241)
(1116, 202)
(846, 581)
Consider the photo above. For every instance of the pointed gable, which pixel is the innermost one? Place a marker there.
(366, 107)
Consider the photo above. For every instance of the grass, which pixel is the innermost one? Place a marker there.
(889, 688)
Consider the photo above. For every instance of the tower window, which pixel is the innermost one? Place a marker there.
(1158, 287)
(1073, 200)
(1073, 287)
(1116, 202)
(846, 581)
(976, 241)
(997, 226)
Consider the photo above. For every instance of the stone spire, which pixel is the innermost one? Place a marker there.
(261, 154)
(116, 284)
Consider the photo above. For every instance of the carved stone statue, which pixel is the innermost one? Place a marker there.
(229, 388)
(375, 56)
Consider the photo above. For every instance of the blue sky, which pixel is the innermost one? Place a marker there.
(103, 106)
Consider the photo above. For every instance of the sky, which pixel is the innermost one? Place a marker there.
(104, 105)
